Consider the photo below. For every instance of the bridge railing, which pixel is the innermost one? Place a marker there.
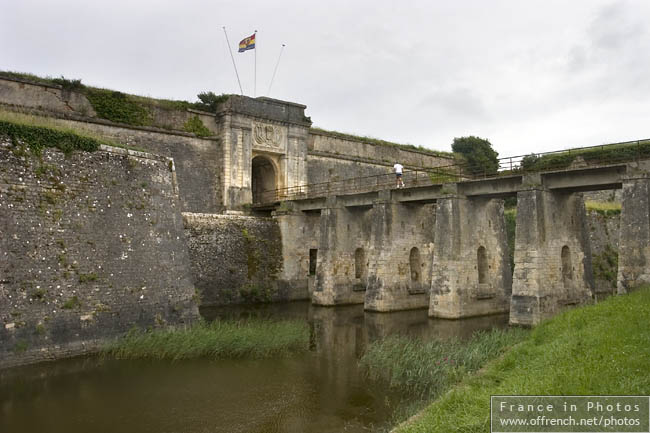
(605, 154)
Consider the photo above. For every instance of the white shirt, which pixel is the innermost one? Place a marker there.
(398, 168)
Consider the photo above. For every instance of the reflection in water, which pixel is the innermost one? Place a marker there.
(321, 391)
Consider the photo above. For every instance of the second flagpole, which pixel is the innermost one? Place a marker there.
(255, 84)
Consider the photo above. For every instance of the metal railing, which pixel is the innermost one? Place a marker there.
(569, 159)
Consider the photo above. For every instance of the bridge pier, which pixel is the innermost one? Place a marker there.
(634, 234)
(471, 268)
(401, 247)
(552, 255)
(299, 231)
(341, 272)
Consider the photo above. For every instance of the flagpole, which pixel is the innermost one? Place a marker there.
(268, 93)
(255, 85)
(233, 60)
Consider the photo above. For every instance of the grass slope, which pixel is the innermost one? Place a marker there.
(254, 338)
(594, 350)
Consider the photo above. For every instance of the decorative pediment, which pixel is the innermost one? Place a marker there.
(269, 137)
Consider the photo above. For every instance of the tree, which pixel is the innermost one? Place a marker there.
(208, 101)
(478, 152)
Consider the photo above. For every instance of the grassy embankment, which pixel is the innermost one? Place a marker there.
(601, 349)
(253, 338)
(419, 371)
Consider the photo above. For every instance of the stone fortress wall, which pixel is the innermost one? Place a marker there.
(91, 244)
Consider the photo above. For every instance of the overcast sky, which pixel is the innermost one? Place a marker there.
(528, 75)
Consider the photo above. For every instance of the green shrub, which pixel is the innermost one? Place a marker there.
(68, 84)
(209, 101)
(478, 152)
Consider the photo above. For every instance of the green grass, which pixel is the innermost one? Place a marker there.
(602, 349)
(252, 338)
(421, 371)
(605, 208)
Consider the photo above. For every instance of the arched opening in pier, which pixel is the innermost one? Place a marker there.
(415, 264)
(567, 269)
(482, 264)
(360, 268)
(263, 179)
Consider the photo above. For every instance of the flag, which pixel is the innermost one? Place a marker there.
(247, 44)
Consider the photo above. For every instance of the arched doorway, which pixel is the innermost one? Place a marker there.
(263, 179)
(567, 268)
(415, 264)
(482, 262)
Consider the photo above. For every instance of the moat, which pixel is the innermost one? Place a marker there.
(320, 391)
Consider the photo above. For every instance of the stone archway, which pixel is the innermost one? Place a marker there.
(263, 179)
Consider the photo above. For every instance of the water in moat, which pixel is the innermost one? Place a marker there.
(320, 391)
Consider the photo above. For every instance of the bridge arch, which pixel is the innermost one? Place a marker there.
(415, 263)
(482, 265)
(264, 177)
(567, 268)
(360, 268)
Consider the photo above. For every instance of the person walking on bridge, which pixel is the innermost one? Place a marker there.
(399, 168)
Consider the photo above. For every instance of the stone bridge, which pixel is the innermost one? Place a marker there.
(444, 246)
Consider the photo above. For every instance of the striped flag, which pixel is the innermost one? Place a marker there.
(247, 44)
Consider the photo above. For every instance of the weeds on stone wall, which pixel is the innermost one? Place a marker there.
(261, 272)
(37, 138)
(605, 265)
(195, 125)
(71, 303)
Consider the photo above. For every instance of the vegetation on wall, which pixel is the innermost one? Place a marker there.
(36, 138)
(605, 265)
(118, 107)
(121, 107)
(196, 126)
(604, 208)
